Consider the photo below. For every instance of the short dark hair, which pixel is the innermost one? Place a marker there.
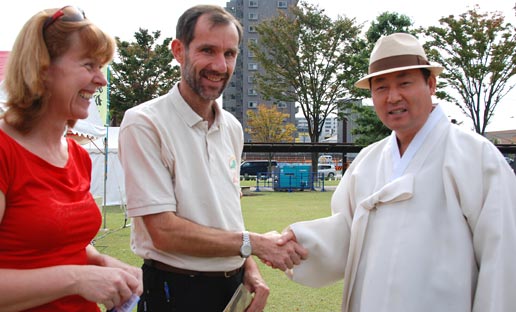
(426, 73)
(218, 16)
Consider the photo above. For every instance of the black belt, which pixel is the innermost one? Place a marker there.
(165, 267)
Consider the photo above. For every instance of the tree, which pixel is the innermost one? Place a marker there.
(306, 59)
(369, 127)
(478, 53)
(141, 71)
(267, 125)
(388, 23)
(385, 24)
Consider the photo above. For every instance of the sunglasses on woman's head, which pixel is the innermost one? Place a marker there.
(67, 13)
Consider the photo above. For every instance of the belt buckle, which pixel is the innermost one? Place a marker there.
(227, 274)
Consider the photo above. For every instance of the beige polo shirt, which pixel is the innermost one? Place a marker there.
(173, 162)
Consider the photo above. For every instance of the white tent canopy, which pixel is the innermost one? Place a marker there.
(107, 176)
(88, 129)
(108, 167)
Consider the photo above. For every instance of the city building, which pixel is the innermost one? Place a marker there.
(329, 130)
(334, 130)
(241, 93)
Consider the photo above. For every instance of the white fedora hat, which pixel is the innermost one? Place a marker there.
(396, 52)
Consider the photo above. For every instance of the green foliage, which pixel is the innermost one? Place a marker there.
(478, 53)
(369, 128)
(141, 71)
(388, 23)
(306, 59)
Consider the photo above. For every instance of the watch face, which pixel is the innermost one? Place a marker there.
(245, 250)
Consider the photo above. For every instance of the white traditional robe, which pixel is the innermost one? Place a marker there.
(434, 230)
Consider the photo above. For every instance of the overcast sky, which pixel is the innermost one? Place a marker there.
(123, 18)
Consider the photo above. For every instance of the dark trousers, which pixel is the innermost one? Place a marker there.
(171, 292)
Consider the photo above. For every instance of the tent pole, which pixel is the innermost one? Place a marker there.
(106, 151)
(106, 145)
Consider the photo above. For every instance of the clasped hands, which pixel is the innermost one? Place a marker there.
(280, 251)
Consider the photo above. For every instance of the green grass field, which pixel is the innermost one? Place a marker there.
(263, 212)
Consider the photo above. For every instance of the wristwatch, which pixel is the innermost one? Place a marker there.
(245, 249)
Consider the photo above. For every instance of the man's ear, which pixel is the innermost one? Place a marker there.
(178, 50)
(432, 84)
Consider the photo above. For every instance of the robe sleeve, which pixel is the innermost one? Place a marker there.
(494, 237)
(326, 239)
(486, 193)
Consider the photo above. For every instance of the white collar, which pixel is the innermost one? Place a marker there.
(399, 164)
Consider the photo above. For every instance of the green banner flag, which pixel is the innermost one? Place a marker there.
(102, 100)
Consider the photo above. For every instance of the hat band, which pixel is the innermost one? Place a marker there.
(397, 61)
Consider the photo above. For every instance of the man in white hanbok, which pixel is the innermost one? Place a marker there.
(423, 220)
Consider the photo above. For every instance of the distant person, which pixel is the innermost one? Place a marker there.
(48, 216)
(424, 220)
(181, 155)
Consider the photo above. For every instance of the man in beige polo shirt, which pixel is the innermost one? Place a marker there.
(181, 155)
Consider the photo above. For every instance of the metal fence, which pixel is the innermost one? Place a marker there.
(343, 154)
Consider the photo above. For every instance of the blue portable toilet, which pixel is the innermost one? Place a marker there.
(293, 177)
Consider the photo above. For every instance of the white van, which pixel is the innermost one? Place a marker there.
(328, 170)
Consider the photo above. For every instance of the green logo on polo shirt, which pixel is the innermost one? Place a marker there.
(232, 163)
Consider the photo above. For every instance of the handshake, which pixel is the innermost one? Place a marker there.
(279, 251)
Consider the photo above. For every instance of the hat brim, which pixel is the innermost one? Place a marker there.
(364, 82)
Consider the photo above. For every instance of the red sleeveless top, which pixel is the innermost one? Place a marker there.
(50, 216)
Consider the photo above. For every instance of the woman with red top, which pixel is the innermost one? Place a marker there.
(47, 214)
